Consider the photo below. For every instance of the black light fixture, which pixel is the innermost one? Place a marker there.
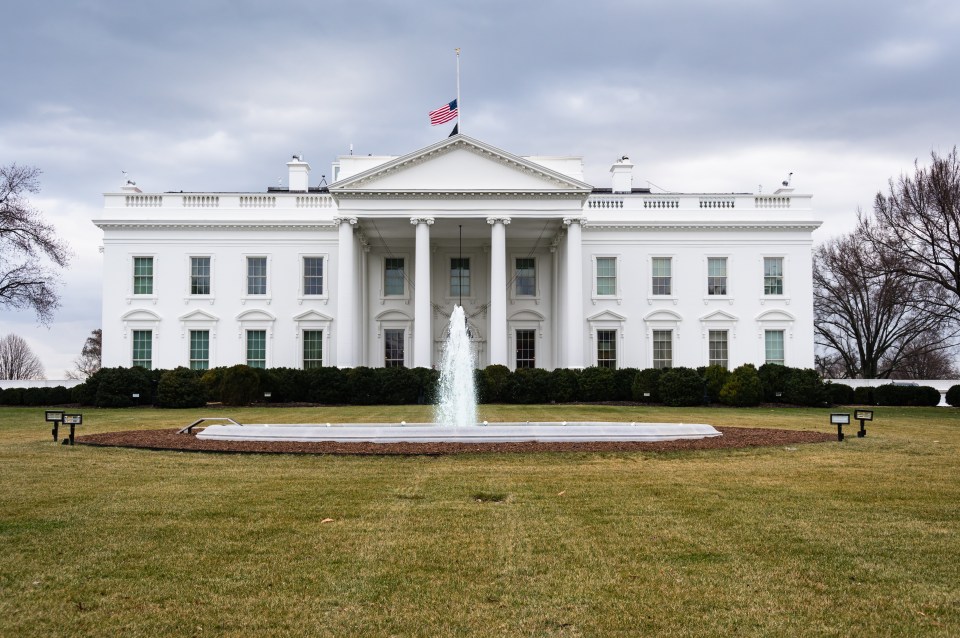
(840, 419)
(863, 416)
(73, 420)
(56, 418)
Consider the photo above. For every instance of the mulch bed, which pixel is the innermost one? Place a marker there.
(170, 440)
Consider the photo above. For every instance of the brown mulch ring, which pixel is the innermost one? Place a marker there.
(170, 440)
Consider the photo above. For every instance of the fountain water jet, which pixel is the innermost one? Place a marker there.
(456, 417)
(458, 398)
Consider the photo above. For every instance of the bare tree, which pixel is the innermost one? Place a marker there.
(918, 222)
(17, 360)
(30, 251)
(922, 362)
(90, 357)
(866, 313)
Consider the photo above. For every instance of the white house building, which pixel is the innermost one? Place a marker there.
(551, 271)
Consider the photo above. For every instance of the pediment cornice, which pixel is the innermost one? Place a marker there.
(363, 184)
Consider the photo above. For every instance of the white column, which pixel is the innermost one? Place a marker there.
(346, 287)
(422, 310)
(498, 290)
(573, 324)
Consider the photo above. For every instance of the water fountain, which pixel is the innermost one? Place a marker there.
(456, 417)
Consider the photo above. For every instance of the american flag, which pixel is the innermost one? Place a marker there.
(443, 114)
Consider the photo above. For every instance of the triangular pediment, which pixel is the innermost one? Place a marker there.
(199, 315)
(459, 164)
(719, 315)
(606, 315)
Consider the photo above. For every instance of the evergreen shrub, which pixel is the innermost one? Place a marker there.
(240, 386)
(804, 387)
(494, 385)
(398, 386)
(840, 394)
(363, 387)
(115, 387)
(715, 377)
(596, 384)
(953, 396)
(681, 387)
(530, 385)
(180, 388)
(427, 382)
(327, 386)
(774, 378)
(863, 396)
(564, 385)
(646, 385)
(623, 383)
(906, 395)
(743, 388)
(212, 382)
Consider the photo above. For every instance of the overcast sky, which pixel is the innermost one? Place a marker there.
(215, 95)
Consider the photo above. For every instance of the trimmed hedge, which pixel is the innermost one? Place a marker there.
(180, 388)
(953, 396)
(840, 394)
(863, 395)
(899, 395)
(681, 387)
(805, 387)
(57, 395)
(646, 385)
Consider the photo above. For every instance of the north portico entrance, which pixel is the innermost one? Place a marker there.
(460, 221)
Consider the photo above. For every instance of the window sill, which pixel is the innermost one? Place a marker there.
(728, 298)
(150, 298)
(264, 298)
(671, 298)
(208, 298)
(302, 298)
(781, 298)
(617, 298)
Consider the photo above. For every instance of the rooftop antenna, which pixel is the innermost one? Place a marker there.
(351, 149)
(323, 180)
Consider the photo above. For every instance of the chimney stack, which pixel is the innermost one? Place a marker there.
(299, 180)
(622, 174)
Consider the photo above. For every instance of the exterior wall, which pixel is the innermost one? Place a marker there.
(380, 199)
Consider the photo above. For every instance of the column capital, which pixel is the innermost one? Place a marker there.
(568, 221)
(421, 220)
(345, 220)
(493, 220)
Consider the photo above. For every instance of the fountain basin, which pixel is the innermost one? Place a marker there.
(429, 433)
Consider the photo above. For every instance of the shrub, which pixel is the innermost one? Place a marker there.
(646, 386)
(363, 387)
(427, 381)
(715, 377)
(893, 394)
(623, 383)
(773, 378)
(116, 387)
(804, 387)
(84, 393)
(863, 396)
(564, 385)
(241, 385)
(327, 386)
(180, 388)
(530, 385)
(494, 385)
(596, 384)
(398, 386)
(681, 387)
(212, 382)
(953, 396)
(289, 385)
(743, 388)
(12, 396)
(840, 394)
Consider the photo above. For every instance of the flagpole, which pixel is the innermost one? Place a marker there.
(459, 107)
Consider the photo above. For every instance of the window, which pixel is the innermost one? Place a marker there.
(606, 348)
(460, 277)
(716, 275)
(662, 349)
(143, 275)
(393, 276)
(773, 346)
(606, 275)
(256, 275)
(526, 348)
(662, 277)
(717, 343)
(257, 348)
(312, 276)
(199, 275)
(526, 277)
(393, 348)
(312, 349)
(773, 275)
(199, 349)
(143, 348)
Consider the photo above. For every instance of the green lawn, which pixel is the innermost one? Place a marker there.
(853, 539)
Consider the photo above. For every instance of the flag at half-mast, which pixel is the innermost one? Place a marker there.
(443, 114)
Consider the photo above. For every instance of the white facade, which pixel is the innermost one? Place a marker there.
(557, 273)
